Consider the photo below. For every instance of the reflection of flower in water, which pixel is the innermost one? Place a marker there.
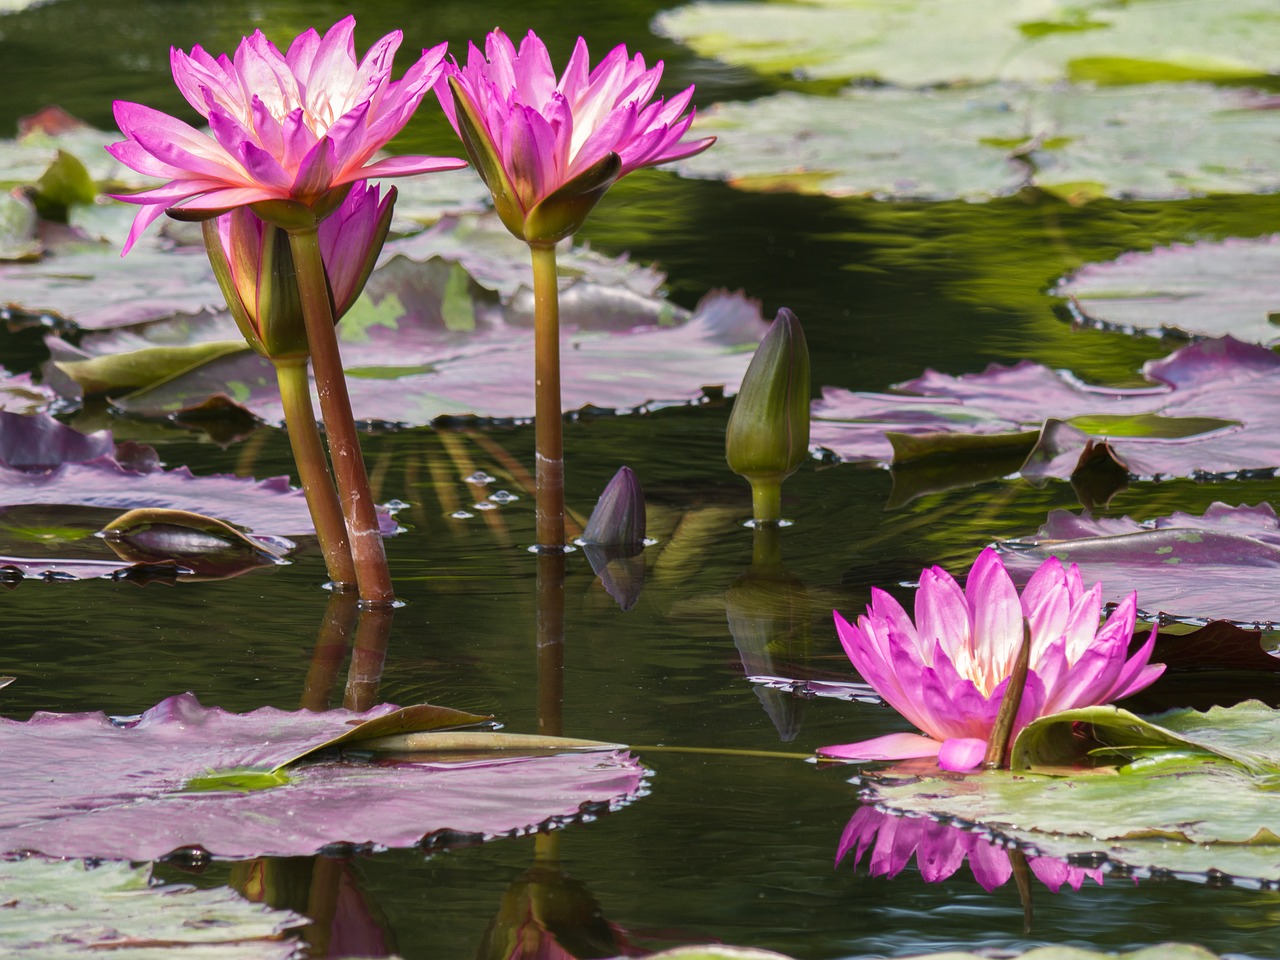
(940, 849)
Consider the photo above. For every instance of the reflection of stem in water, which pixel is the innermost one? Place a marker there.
(1022, 879)
(249, 451)
(550, 641)
(331, 649)
(368, 656)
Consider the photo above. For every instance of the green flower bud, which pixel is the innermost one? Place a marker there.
(768, 434)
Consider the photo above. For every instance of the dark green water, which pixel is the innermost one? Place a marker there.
(724, 847)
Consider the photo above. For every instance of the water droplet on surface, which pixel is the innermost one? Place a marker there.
(503, 496)
(486, 505)
(480, 478)
(461, 515)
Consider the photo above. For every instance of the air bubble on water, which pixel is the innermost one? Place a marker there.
(462, 515)
(480, 478)
(485, 505)
(503, 496)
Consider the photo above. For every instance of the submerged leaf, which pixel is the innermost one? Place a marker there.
(83, 785)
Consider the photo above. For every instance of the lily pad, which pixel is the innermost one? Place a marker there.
(58, 487)
(1211, 411)
(1193, 794)
(44, 135)
(1219, 565)
(91, 286)
(429, 340)
(1160, 141)
(184, 777)
(937, 42)
(57, 909)
(1198, 290)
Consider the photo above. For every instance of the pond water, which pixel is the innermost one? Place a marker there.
(735, 840)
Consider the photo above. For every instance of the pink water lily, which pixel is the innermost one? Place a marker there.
(296, 127)
(949, 670)
(547, 148)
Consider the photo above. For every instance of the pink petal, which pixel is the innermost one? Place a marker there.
(893, 746)
(942, 613)
(996, 613)
(962, 754)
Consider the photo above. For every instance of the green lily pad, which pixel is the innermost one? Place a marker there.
(18, 221)
(1193, 794)
(56, 909)
(1159, 141)
(935, 42)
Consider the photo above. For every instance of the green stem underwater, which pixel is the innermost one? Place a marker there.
(372, 574)
(548, 413)
(313, 469)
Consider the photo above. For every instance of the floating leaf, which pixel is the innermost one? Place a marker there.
(58, 487)
(92, 286)
(1194, 793)
(941, 42)
(18, 220)
(1198, 289)
(1212, 410)
(204, 545)
(61, 908)
(83, 785)
(1216, 566)
(429, 340)
(1162, 141)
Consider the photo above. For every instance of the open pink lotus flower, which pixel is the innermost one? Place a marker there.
(940, 849)
(295, 127)
(948, 672)
(548, 149)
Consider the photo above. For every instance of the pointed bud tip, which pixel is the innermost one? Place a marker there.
(619, 517)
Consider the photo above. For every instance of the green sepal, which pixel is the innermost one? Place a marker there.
(560, 214)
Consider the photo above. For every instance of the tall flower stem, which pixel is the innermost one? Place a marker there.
(548, 416)
(766, 501)
(313, 469)
(373, 577)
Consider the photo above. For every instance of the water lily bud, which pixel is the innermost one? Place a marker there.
(253, 263)
(768, 434)
(618, 519)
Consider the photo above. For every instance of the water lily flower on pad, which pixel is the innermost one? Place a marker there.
(548, 149)
(286, 130)
(185, 776)
(940, 849)
(949, 671)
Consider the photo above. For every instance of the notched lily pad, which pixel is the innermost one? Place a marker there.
(1218, 566)
(1203, 289)
(1211, 411)
(119, 788)
(1159, 141)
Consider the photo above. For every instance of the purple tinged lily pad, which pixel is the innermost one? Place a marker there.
(83, 785)
(452, 335)
(58, 486)
(1200, 289)
(1212, 409)
(1222, 565)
